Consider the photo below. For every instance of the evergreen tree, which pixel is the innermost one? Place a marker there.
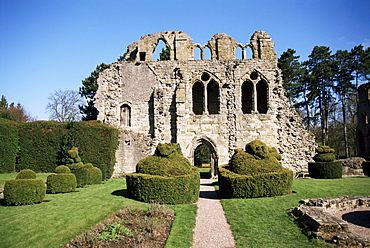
(88, 90)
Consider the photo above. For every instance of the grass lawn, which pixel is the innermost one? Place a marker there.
(64, 216)
(264, 222)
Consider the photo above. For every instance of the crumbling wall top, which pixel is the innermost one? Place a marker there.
(181, 47)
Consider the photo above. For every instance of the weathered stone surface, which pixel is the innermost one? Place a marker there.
(363, 124)
(352, 166)
(223, 103)
(315, 215)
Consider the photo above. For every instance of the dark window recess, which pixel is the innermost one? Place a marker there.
(247, 99)
(261, 97)
(198, 98)
(213, 97)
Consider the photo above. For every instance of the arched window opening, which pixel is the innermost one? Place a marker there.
(261, 89)
(207, 53)
(247, 97)
(198, 98)
(197, 53)
(213, 95)
(248, 53)
(161, 52)
(125, 115)
(239, 53)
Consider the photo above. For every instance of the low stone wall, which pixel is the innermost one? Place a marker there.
(352, 167)
(316, 216)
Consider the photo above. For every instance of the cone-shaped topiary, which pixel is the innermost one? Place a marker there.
(255, 172)
(325, 167)
(166, 177)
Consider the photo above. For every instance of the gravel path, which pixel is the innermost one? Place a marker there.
(211, 228)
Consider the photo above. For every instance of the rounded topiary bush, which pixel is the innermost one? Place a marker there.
(255, 172)
(26, 174)
(61, 183)
(82, 176)
(167, 161)
(94, 175)
(62, 169)
(324, 166)
(167, 177)
(24, 191)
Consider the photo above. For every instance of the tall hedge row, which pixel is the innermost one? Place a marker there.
(42, 144)
(8, 145)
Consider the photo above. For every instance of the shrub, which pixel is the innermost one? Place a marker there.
(24, 191)
(26, 174)
(94, 175)
(61, 183)
(9, 145)
(233, 185)
(325, 170)
(62, 169)
(82, 176)
(324, 166)
(255, 172)
(166, 177)
(183, 189)
(167, 161)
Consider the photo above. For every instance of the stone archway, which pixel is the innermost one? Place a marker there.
(213, 152)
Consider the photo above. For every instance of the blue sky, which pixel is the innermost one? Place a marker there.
(49, 45)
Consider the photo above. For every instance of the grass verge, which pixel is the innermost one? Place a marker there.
(64, 216)
(264, 222)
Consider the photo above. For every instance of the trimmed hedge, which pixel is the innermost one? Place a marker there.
(182, 189)
(43, 144)
(26, 174)
(9, 147)
(233, 185)
(325, 170)
(94, 175)
(40, 145)
(61, 183)
(366, 168)
(62, 169)
(24, 191)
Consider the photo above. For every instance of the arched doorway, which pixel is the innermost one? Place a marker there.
(213, 157)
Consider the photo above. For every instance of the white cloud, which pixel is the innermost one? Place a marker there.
(366, 43)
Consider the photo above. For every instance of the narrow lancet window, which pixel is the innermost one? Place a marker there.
(262, 97)
(247, 97)
(125, 115)
(213, 97)
(198, 98)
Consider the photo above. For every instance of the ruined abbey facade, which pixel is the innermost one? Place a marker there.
(223, 102)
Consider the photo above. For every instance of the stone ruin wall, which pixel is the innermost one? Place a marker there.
(363, 125)
(152, 101)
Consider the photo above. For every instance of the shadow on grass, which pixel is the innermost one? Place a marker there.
(121, 192)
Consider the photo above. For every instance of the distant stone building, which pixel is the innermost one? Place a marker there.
(363, 125)
(223, 103)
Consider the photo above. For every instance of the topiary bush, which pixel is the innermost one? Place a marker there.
(167, 177)
(324, 166)
(62, 169)
(255, 172)
(85, 173)
(94, 175)
(26, 174)
(61, 183)
(24, 191)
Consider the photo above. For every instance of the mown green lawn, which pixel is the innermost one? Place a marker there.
(64, 216)
(264, 222)
(259, 222)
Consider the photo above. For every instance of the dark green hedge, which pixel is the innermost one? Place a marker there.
(24, 191)
(61, 183)
(234, 185)
(42, 144)
(325, 170)
(182, 189)
(366, 168)
(82, 176)
(8, 145)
